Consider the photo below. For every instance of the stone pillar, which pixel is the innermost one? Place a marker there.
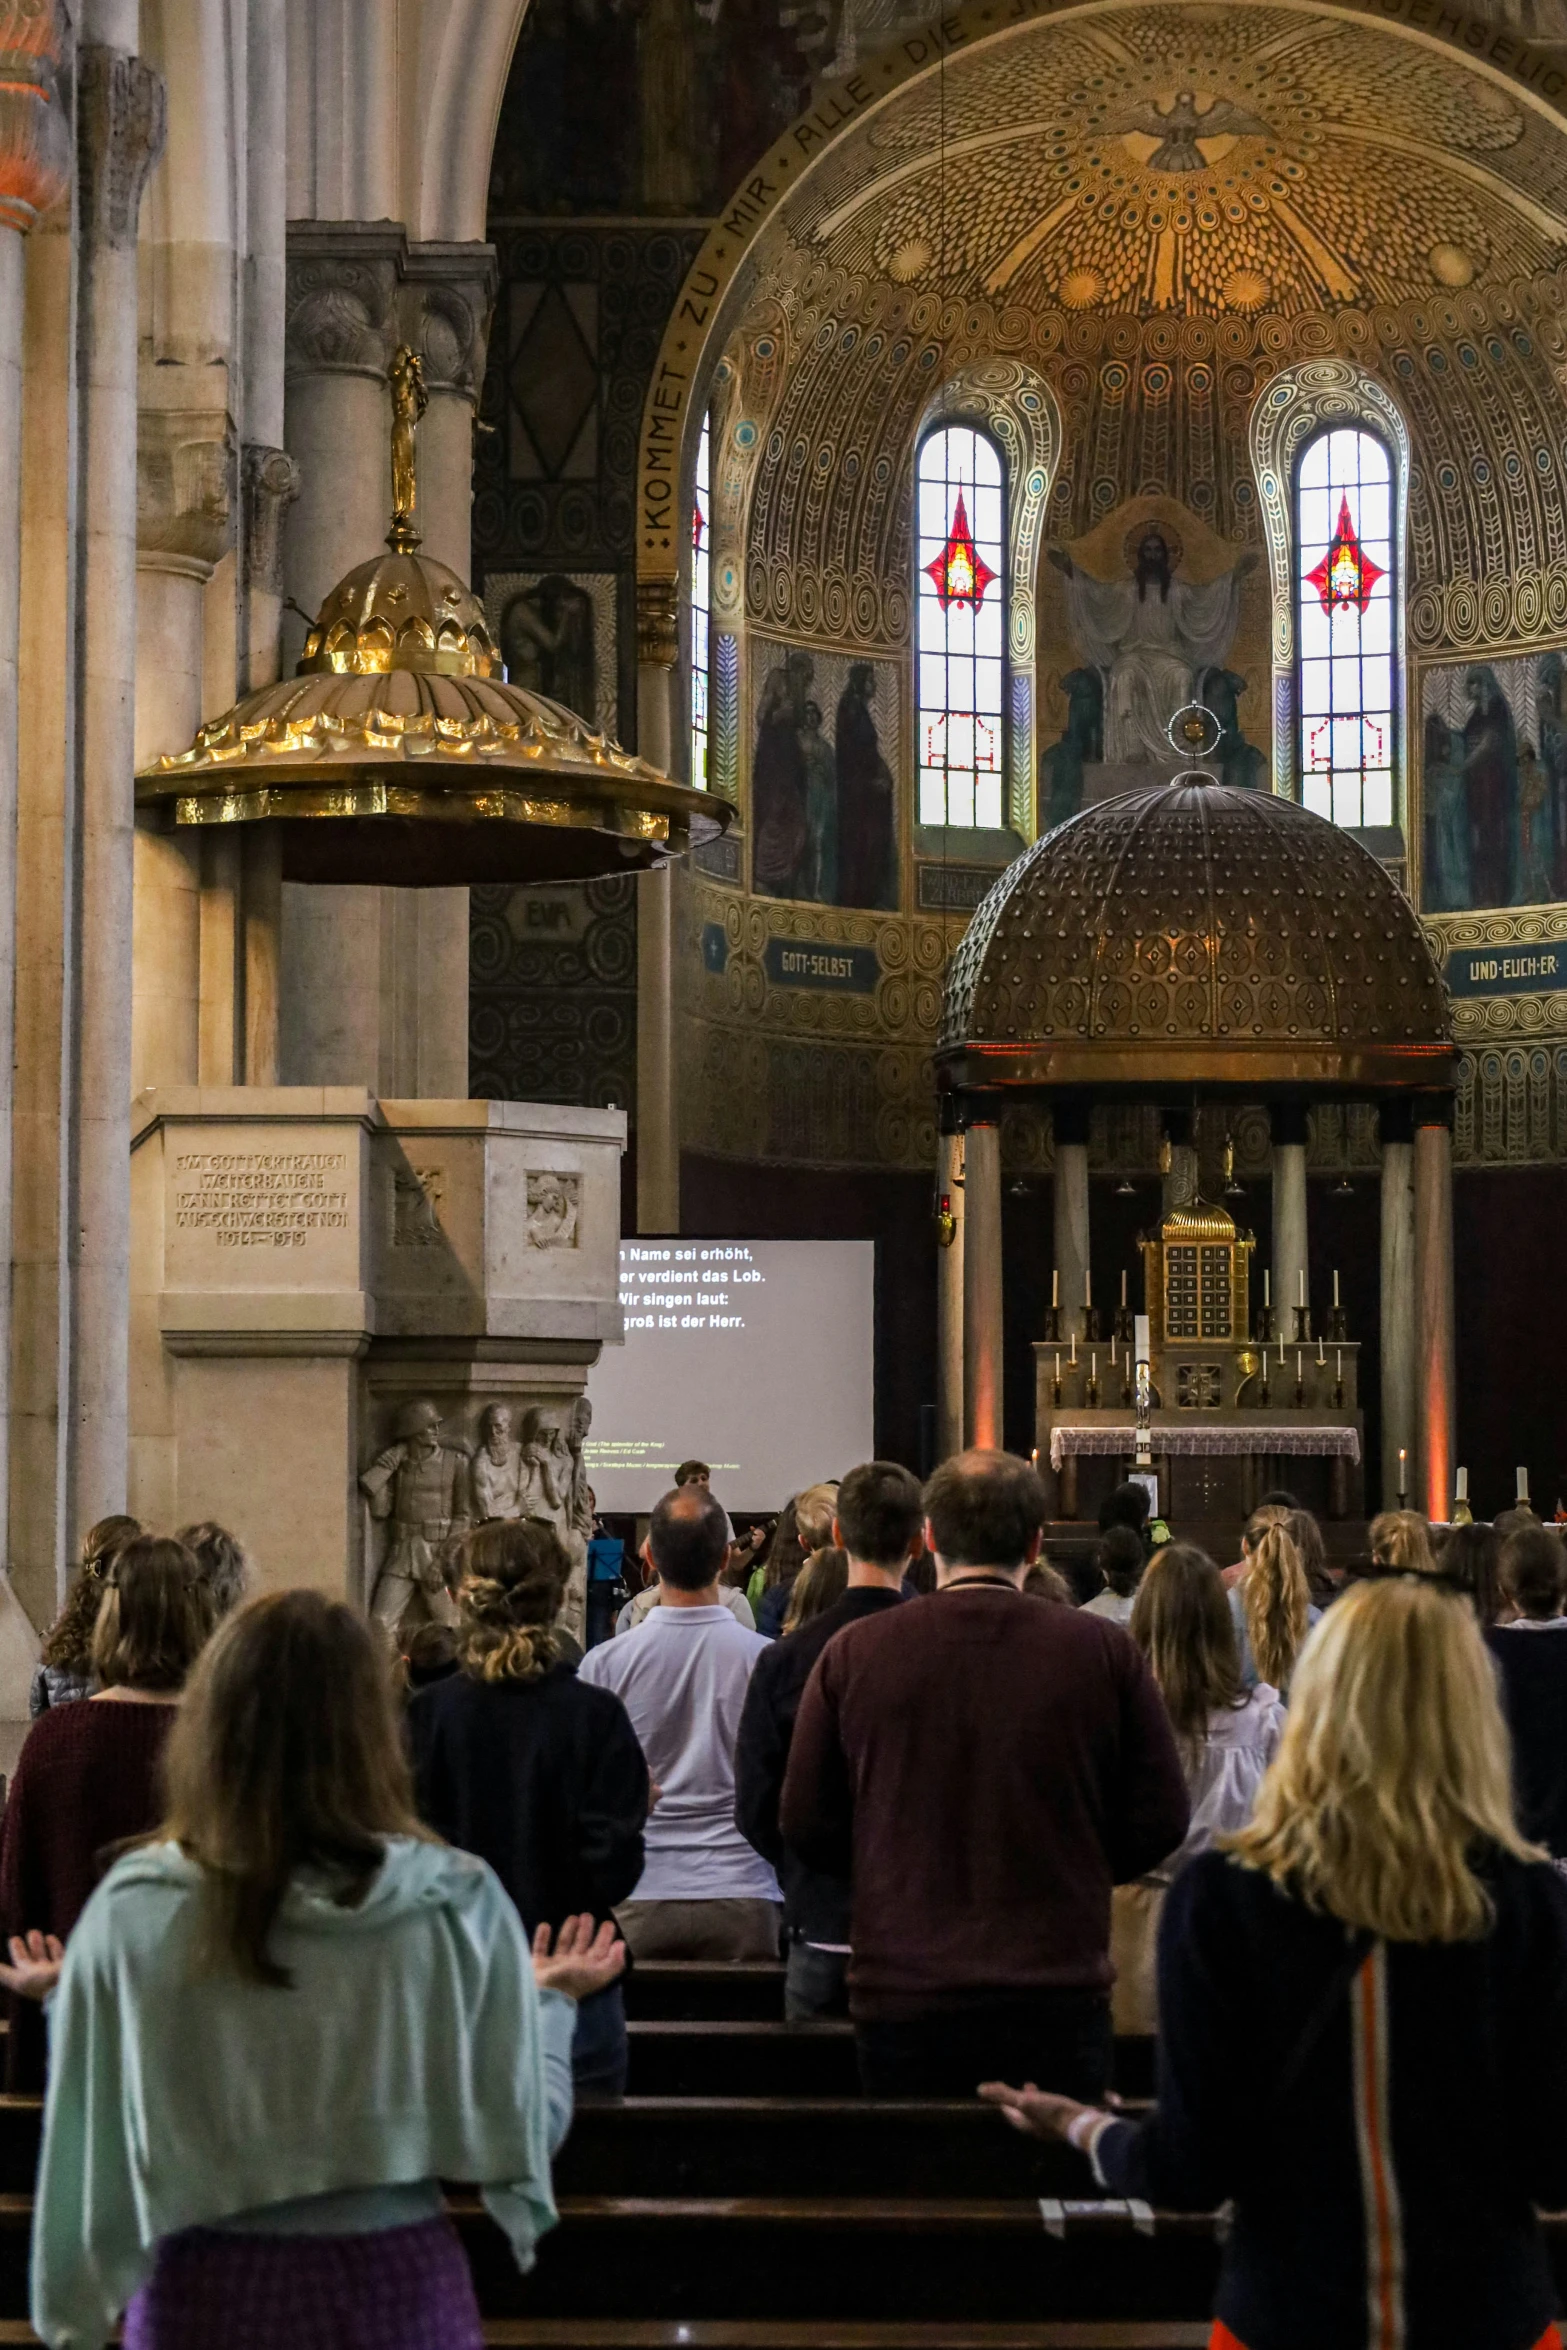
(120, 128)
(982, 1288)
(1291, 1252)
(1398, 1298)
(444, 308)
(657, 1120)
(1435, 1370)
(35, 172)
(1179, 1184)
(374, 983)
(1073, 1250)
(269, 484)
(949, 1301)
(184, 520)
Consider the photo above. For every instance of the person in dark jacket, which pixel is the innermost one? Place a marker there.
(517, 1760)
(1531, 1653)
(1363, 2006)
(87, 1780)
(985, 1768)
(880, 1524)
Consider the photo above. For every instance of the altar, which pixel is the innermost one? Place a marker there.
(1231, 1407)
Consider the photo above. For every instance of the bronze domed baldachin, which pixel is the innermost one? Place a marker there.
(1196, 937)
(399, 755)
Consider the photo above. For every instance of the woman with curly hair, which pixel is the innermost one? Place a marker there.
(516, 1760)
(65, 1665)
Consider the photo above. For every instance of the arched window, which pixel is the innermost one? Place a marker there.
(701, 608)
(961, 628)
(1346, 627)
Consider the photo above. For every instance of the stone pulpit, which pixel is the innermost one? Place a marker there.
(322, 1280)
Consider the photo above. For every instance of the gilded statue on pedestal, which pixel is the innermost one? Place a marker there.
(409, 402)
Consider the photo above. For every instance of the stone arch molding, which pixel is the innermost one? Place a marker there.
(1291, 409)
(1015, 405)
(718, 280)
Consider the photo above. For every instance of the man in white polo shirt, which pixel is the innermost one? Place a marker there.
(704, 1891)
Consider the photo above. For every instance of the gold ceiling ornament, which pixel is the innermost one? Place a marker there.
(399, 755)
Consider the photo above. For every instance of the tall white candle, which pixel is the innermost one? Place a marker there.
(1281, 1348)
(1088, 1287)
(1074, 1350)
(1267, 1287)
(1335, 1292)
(1523, 1484)
(1140, 1338)
(1403, 1458)
(1123, 1289)
(1321, 1357)
(1055, 1292)
(1058, 1366)
(1093, 1368)
(1300, 1368)
(1302, 1298)
(1338, 1357)
(1463, 1484)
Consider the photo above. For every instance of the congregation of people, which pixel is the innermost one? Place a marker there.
(303, 1924)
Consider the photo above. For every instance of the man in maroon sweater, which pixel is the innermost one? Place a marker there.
(985, 1766)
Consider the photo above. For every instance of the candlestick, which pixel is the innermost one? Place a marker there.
(1055, 1290)
(1056, 1397)
(1300, 1381)
(1335, 1291)
(1091, 1394)
(1267, 1287)
(1403, 1481)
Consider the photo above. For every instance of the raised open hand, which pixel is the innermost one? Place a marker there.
(582, 1961)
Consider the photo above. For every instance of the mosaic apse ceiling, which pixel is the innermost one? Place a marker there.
(1204, 160)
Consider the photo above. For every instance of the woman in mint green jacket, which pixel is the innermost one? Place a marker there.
(283, 2020)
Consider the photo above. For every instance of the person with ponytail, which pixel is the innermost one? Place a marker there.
(517, 1760)
(1271, 1604)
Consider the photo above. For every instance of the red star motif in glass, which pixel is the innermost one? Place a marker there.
(960, 572)
(1346, 575)
(698, 526)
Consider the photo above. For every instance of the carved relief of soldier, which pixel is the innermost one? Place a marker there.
(429, 1492)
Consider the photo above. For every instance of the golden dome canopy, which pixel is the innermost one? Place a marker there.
(1198, 936)
(401, 611)
(399, 755)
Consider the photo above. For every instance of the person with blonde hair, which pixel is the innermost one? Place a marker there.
(284, 2020)
(819, 1585)
(1227, 1736)
(519, 1761)
(1364, 2014)
(1401, 1543)
(1271, 1604)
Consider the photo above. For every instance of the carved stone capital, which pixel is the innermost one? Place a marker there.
(447, 297)
(658, 623)
(184, 486)
(121, 121)
(35, 138)
(269, 483)
(342, 297)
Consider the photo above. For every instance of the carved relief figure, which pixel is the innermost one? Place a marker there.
(419, 1488)
(1149, 636)
(553, 1202)
(579, 1516)
(499, 1475)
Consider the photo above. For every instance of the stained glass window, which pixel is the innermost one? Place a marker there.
(960, 598)
(701, 608)
(1346, 627)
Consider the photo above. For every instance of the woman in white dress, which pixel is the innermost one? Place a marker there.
(1228, 1734)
